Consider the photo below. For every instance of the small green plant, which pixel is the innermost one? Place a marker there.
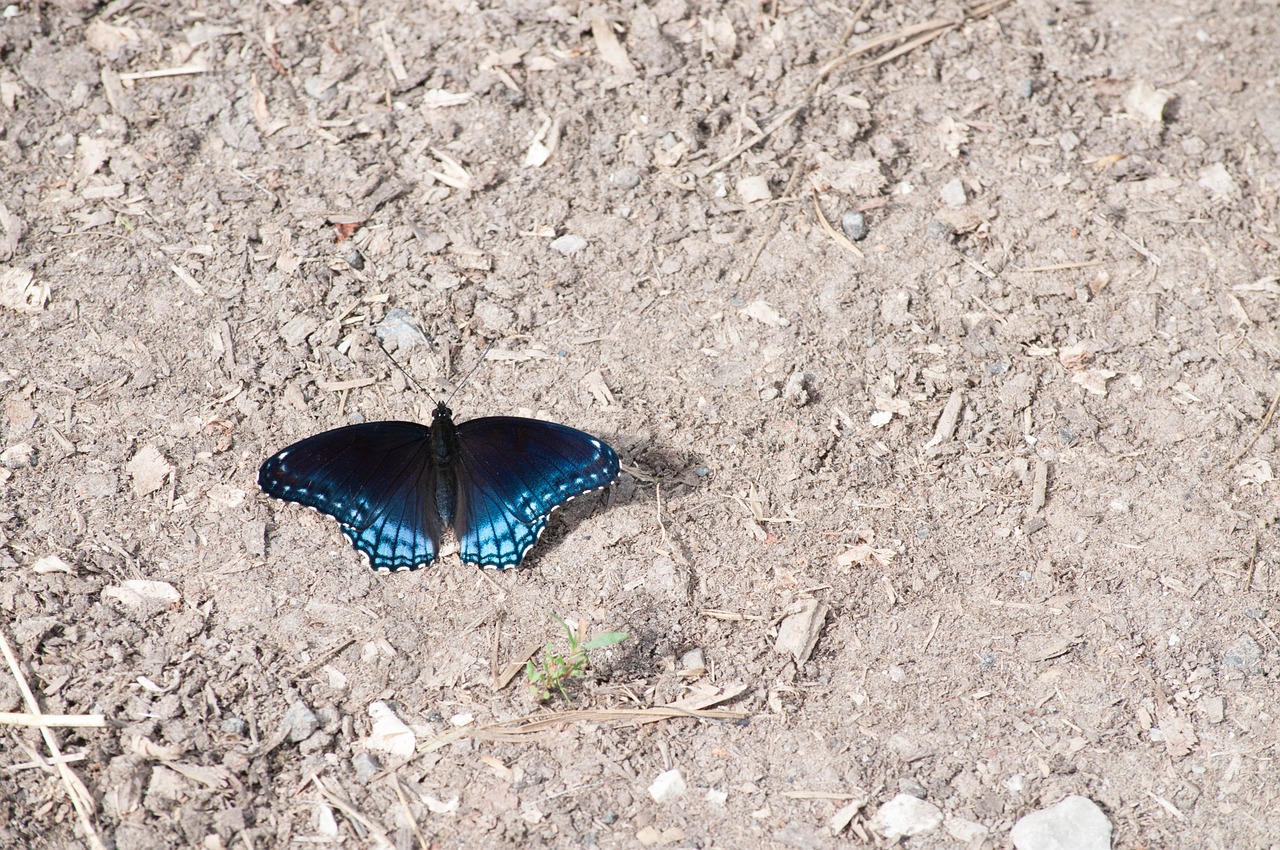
(556, 669)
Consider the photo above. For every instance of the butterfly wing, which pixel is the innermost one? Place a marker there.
(512, 473)
(374, 479)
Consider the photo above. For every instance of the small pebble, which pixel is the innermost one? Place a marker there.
(940, 231)
(854, 225)
(570, 243)
(1026, 88)
(1076, 823)
(625, 178)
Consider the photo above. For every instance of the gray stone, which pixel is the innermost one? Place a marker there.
(1076, 823)
(301, 721)
(399, 331)
(1244, 654)
(854, 225)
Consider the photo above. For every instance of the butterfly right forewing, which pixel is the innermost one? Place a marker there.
(370, 478)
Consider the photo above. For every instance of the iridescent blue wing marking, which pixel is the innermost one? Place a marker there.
(512, 473)
(375, 480)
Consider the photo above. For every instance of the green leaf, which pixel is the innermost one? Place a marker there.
(606, 639)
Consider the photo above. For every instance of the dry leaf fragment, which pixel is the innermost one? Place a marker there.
(1076, 357)
(1146, 102)
(1094, 380)
(763, 312)
(798, 633)
(149, 469)
(19, 291)
(443, 98)
(51, 564)
(137, 592)
(1179, 734)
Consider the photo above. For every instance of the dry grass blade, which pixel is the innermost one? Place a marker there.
(394, 782)
(81, 799)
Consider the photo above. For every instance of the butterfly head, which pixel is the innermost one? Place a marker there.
(442, 410)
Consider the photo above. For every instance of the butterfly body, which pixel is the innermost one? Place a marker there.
(395, 487)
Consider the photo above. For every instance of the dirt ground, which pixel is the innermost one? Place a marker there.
(934, 339)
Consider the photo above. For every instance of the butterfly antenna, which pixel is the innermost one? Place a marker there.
(417, 386)
(467, 376)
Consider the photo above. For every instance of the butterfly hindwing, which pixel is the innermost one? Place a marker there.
(373, 479)
(512, 473)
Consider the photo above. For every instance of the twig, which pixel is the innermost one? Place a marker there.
(22, 718)
(81, 799)
(1253, 565)
(1266, 423)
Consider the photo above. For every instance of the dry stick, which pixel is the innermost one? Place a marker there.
(1253, 565)
(1266, 423)
(81, 800)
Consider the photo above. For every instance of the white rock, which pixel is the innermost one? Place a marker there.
(1076, 823)
(668, 786)
(905, 816)
(570, 243)
(753, 189)
(954, 195)
(1218, 181)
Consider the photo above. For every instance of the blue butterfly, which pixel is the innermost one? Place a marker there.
(394, 487)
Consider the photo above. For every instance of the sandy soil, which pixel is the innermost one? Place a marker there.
(989, 472)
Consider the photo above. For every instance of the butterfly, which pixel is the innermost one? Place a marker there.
(394, 487)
